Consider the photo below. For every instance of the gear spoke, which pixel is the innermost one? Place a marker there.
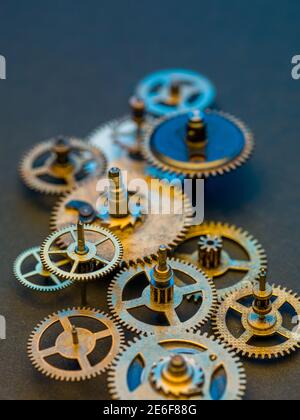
(101, 242)
(102, 334)
(62, 263)
(246, 336)
(57, 252)
(51, 351)
(40, 171)
(189, 289)
(74, 267)
(172, 316)
(134, 303)
(66, 324)
(101, 260)
(240, 265)
(37, 256)
(285, 333)
(55, 279)
(238, 307)
(31, 274)
(84, 362)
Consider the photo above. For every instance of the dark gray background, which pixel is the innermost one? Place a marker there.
(71, 65)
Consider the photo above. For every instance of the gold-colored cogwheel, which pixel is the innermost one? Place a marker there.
(264, 320)
(152, 298)
(198, 164)
(141, 236)
(75, 348)
(208, 251)
(93, 253)
(58, 165)
(177, 366)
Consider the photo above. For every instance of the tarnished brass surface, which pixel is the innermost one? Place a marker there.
(93, 252)
(205, 358)
(264, 319)
(188, 280)
(251, 267)
(140, 238)
(75, 344)
(44, 170)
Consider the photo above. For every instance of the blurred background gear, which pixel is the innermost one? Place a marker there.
(59, 165)
(266, 328)
(140, 234)
(230, 256)
(29, 270)
(177, 366)
(198, 144)
(123, 137)
(93, 253)
(152, 298)
(77, 352)
(175, 90)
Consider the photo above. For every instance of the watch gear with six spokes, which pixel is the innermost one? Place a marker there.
(58, 165)
(177, 366)
(93, 253)
(229, 255)
(152, 298)
(74, 355)
(198, 144)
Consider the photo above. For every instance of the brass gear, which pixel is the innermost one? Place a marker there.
(75, 343)
(262, 320)
(219, 231)
(93, 253)
(142, 237)
(177, 376)
(30, 277)
(58, 165)
(122, 137)
(195, 168)
(156, 316)
(131, 377)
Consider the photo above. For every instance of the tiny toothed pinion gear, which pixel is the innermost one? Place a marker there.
(122, 138)
(141, 232)
(198, 144)
(175, 90)
(263, 313)
(221, 251)
(92, 253)
(152, 298)
(58, 165)
(31, 273)
(74, 356)
(177, 366)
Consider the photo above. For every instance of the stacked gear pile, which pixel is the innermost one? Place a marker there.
(168, 279)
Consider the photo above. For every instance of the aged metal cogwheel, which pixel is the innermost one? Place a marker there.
(208, 246)
(198, 144)
(175, 90)
(177, 365)
(122, 138)
(264, 320)
(93, 252)
(141, 233)
(29, 270)
(58, 165)
(151, 299)
(73, 354)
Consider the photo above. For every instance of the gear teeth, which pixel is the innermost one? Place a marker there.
(38, 361)
(166, 170)
(46, 187)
